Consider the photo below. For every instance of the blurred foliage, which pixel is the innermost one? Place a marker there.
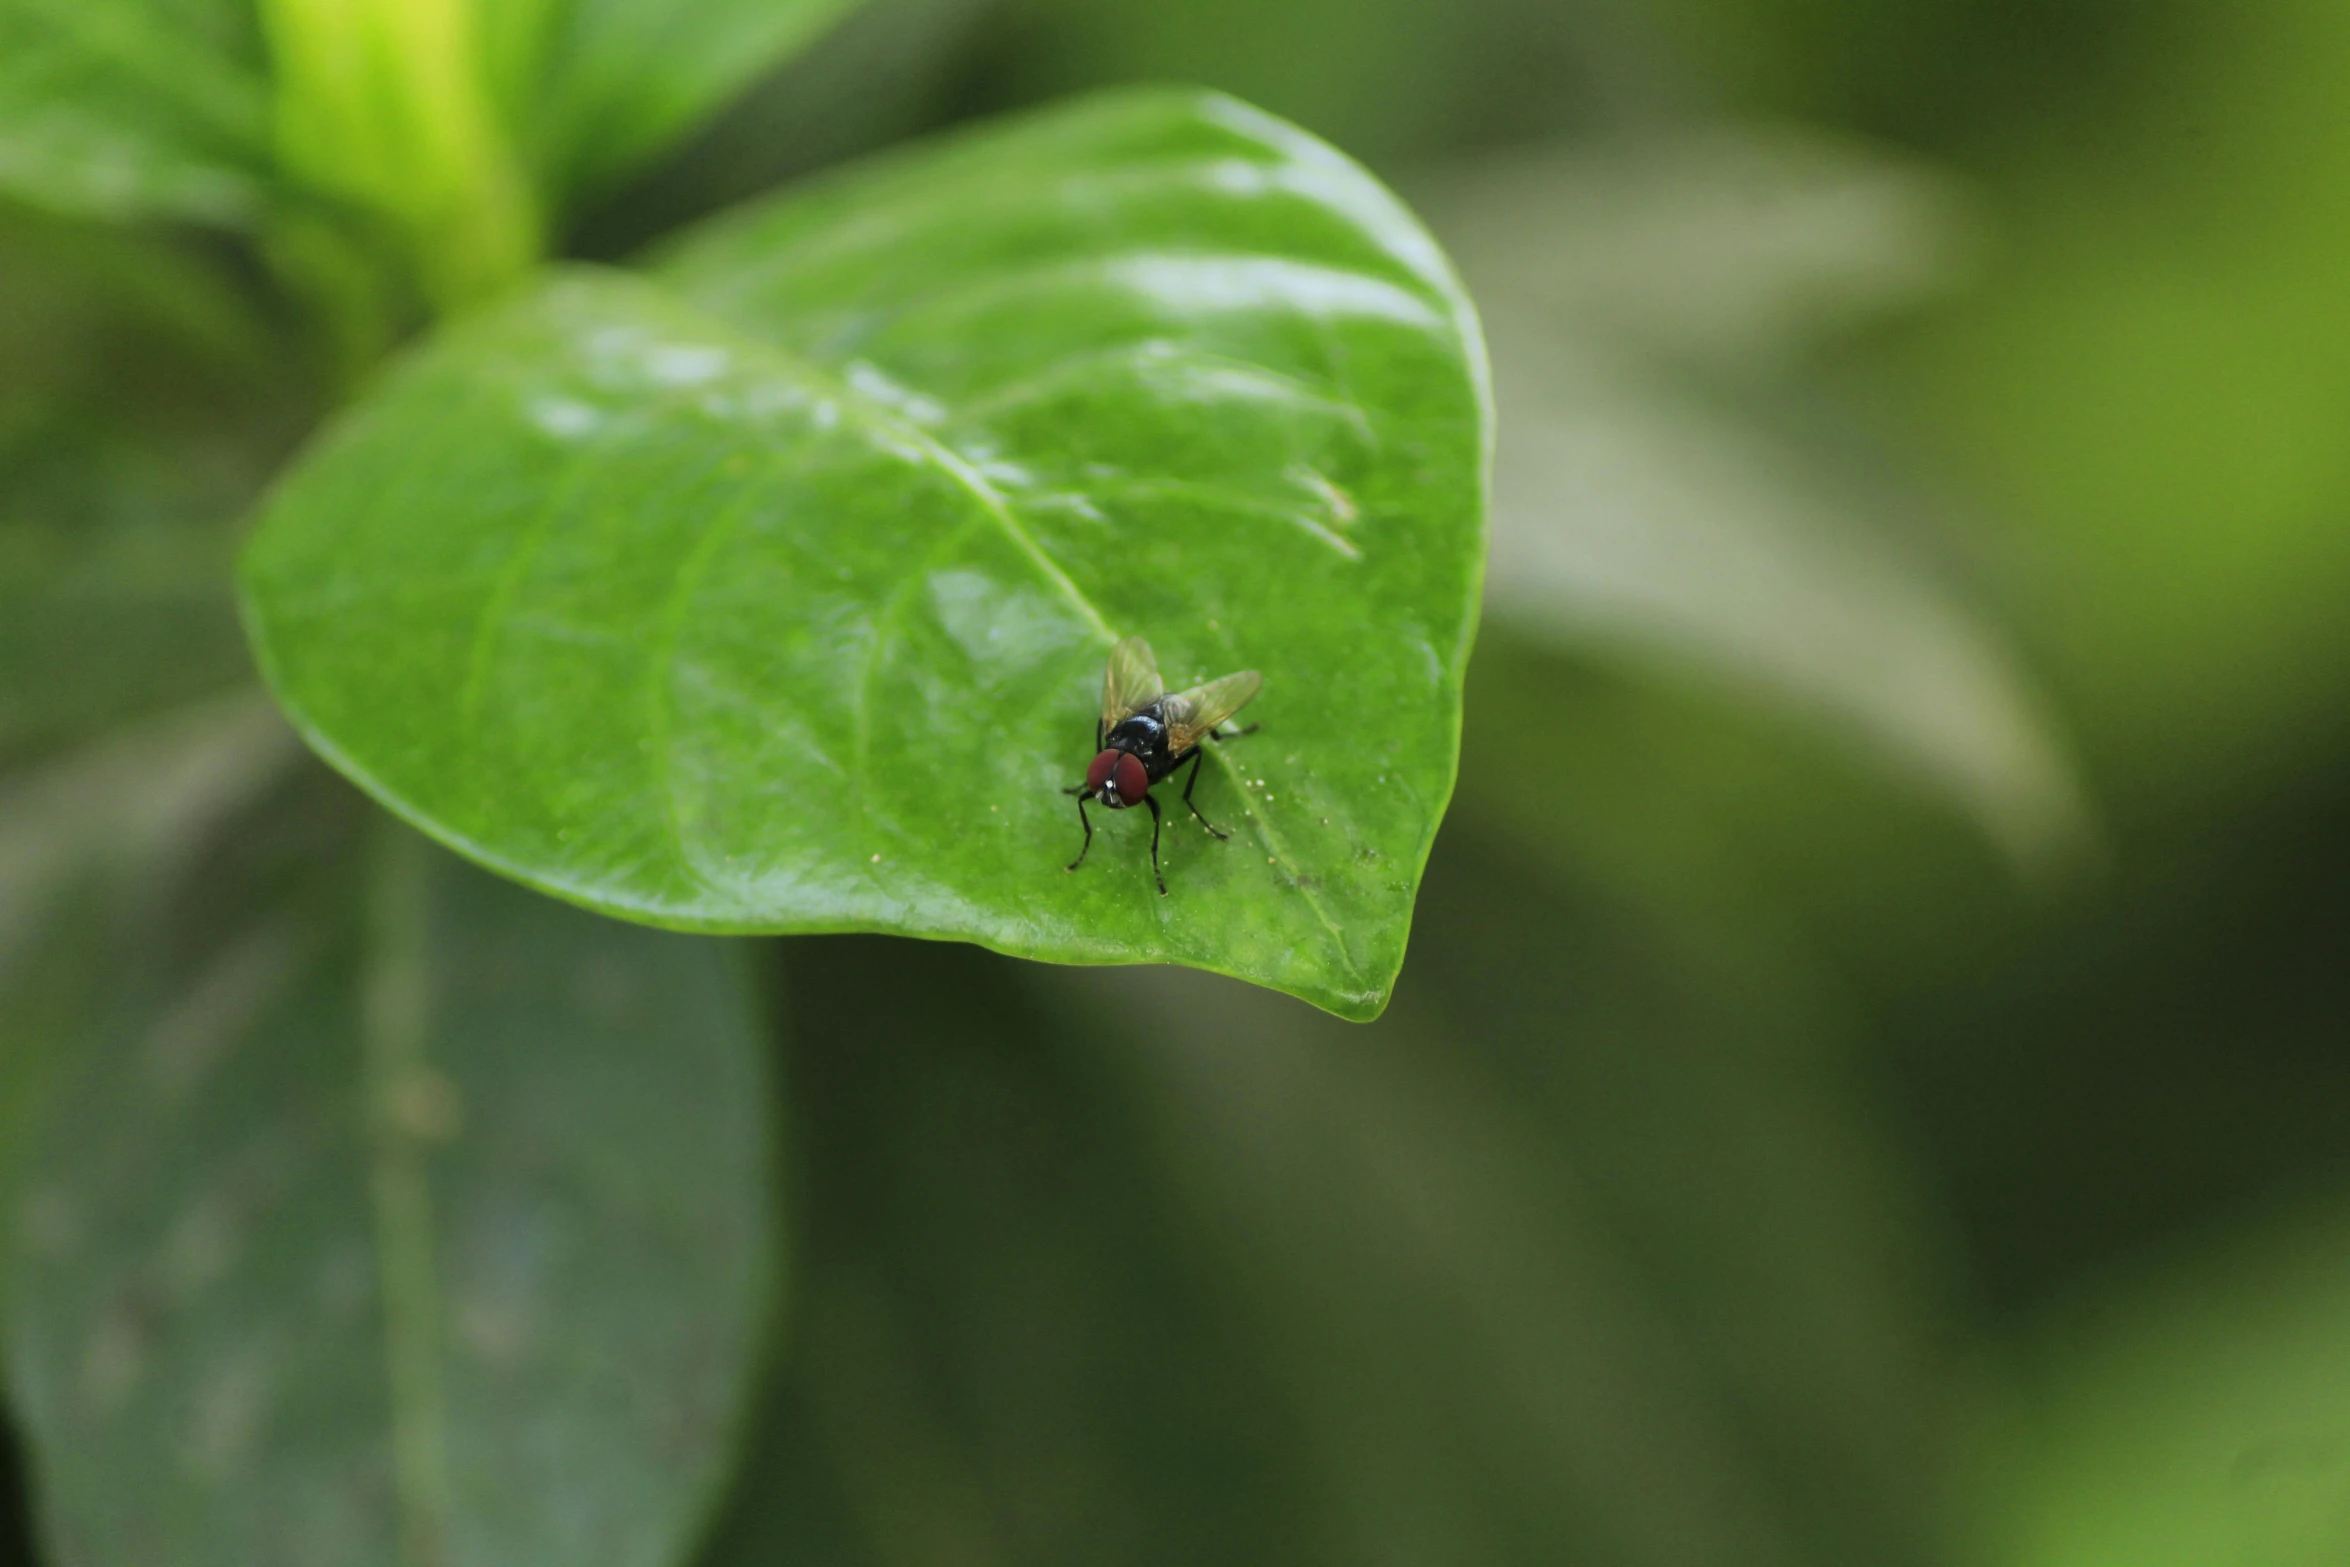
(1762, 1161)
(1668, 481)
(1152, 1267)
(140, 409)
(133, 109)
(2194, 1415)
(371, 1214)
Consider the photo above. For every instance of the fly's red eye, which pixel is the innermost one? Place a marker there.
(1099, 773)
(1133, 782)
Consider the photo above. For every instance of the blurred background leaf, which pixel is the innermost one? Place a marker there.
(77, 839)
(1669, 484)
(425, 1221)
(143, 403)
(127, 109)
(621, 79)
(880, 76)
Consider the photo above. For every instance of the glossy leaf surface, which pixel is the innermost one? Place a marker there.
(772, 592)
(423, 1220)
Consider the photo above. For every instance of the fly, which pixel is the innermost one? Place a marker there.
(1145, 734)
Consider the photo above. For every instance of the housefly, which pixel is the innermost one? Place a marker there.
(1146, 733)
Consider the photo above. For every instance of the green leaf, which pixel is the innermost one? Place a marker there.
(119, 324)
(130, 109)
(421, 1220)
(131, 439)
(1727, 245)
(772, 593)
(1653, 495)
(1646, 518)
(81, 837)
(621, 79)
(131, 805)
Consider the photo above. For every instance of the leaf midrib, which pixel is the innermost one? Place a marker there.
(395, 1022)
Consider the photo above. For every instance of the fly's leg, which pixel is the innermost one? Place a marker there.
(1213, 830)
(1156, 874)
(1088, 822)
(1233, 734)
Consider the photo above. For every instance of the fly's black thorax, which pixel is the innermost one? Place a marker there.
(1143, 735)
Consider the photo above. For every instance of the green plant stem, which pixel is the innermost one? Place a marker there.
(385, 113)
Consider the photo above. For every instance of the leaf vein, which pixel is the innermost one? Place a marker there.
(1272, 840)
(498, 608)
(662, 665)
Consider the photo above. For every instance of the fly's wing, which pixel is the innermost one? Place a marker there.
(1193, 713)
(1131, 683)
